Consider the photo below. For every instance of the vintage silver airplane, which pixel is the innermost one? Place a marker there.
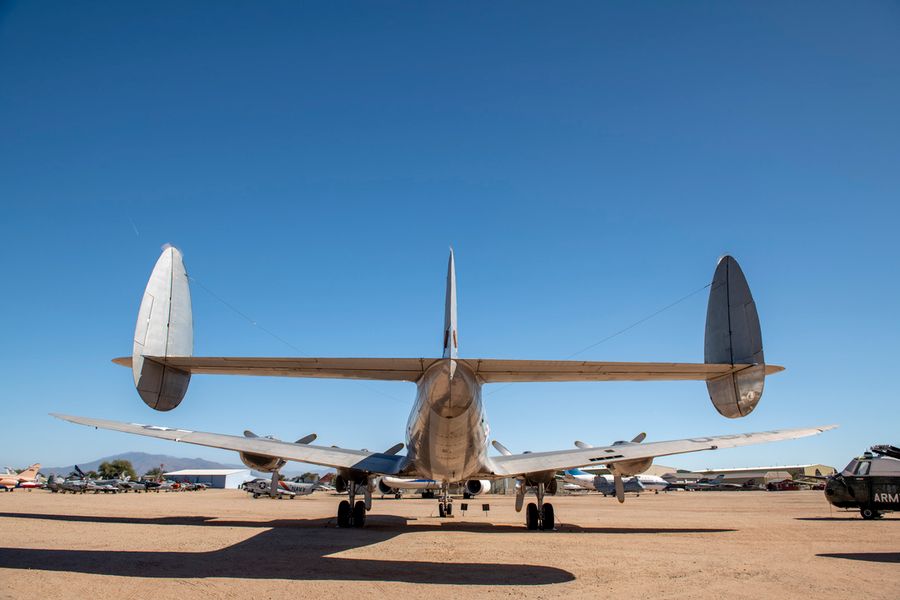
(447, 435)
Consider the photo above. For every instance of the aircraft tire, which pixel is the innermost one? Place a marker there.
(449, 510)
(869, 514)
(441, 512)
(531, 516)
(343, 514)
(359, 514)
(548, 519)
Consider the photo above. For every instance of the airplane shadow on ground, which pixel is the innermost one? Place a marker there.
(856, 517)
(297, 549)
(885, 557)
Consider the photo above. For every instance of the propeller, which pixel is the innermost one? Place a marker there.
(620, 488)
(617, 478)
(501, 448)
(394, 449)
(273, 487)
(306, 439)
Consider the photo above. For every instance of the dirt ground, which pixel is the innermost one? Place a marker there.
(224, 544)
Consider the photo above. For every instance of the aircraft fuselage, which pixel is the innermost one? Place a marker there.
(447, 432)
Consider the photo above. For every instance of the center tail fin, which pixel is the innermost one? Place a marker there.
(451, 341)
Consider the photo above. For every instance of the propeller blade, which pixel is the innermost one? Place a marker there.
(638, 438)
(520, 495)
(273, 488)
(501, 448)
(307, 439)
(620, 488)
(582, 445)
(394, 449)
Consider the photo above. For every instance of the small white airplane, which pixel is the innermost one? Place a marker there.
(447, 435)
(609, 484)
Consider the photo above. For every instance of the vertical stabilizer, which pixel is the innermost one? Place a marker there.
(164, 328)
(451, 341)
(733, 336)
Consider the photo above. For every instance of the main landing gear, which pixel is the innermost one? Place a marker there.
(540, 515)
(352, 512)
(445, 505)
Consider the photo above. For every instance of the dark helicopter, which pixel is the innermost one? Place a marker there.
(870, 483)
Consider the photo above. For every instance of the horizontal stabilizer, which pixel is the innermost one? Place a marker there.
(488, 370)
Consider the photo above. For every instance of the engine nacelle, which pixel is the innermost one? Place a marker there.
(385, 488)
(627, 468)
(474, 487)
(261, 462)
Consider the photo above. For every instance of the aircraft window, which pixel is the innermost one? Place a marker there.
(863, 468)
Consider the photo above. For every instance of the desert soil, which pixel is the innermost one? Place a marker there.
(224, 544)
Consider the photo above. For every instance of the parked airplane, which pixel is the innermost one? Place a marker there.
(283, 489)
(396, 485)
(427, 487)
(27, 478)
(447, 432)
(609, 485)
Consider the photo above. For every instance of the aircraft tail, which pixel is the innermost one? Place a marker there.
(31, 472)
(733, 336)
(451, 341)
(164, 328)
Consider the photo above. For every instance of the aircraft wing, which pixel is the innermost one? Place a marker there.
(372, 462)
(533, 462)
(489, 370)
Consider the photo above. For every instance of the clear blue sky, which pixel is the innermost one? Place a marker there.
(589, 162)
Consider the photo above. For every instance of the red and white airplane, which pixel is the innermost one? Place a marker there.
(26, 479)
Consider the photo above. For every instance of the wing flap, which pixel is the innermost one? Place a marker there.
(560, 460)
(489, 370)
(372, 462)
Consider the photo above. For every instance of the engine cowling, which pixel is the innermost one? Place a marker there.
(627, 468)
(475, 487)
(261, 462)
(385, 488)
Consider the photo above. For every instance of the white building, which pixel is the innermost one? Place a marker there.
(217, 478)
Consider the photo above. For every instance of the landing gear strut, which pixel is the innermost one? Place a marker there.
(445, 505)
(540, 515)
(352, 512)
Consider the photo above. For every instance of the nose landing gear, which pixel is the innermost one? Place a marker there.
(445, 504)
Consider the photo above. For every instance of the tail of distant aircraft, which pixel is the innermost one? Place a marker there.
(30, 473)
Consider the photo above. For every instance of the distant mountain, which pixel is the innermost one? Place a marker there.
(143, 462)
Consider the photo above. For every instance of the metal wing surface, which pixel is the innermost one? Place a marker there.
(533, 462)
(411, 369)
(372, 462)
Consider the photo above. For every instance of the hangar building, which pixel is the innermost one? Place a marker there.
(217, 478)
(756, 475)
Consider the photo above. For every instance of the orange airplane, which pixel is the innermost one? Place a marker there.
(26, 479)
